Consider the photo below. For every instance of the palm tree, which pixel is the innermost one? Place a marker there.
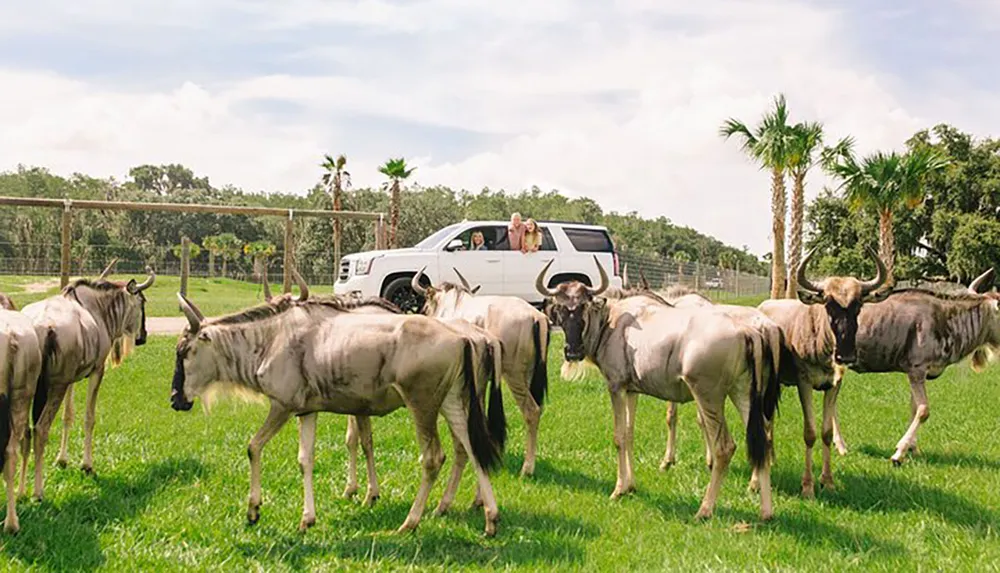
(261, 251)
(768, 145)
(396, 170)
(884, 182)
(336, 179)
(805, 139)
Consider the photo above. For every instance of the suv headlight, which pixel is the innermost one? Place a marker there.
(363, 266)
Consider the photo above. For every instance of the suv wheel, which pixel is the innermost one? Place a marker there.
(400, 293)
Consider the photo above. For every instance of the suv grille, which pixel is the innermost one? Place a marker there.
(345, 270)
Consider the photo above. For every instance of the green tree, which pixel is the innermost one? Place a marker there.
(396, 170)
(768, 144)
(260, 251)
(193, 250)
(806, 139)
(885, 183)
(975, 247)
(336, 179)
(228, 246)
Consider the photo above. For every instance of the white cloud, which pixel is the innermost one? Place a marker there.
(619, 102)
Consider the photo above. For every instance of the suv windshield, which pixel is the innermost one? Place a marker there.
(436, 237)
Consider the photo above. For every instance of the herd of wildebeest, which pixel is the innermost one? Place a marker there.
(366, 358)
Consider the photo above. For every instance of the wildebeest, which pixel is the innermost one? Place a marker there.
(308, 356)
(20, 367)
(920, 333)
(676, 354)
(359, 430)
(89, 320)
(6, 303)
(524, 335)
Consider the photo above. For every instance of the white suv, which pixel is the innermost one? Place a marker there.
(497, 269)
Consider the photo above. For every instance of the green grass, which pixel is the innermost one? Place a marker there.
(170, 490)
(213, 296)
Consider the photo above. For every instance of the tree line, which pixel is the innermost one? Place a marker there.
(930, 211)
(415, 211)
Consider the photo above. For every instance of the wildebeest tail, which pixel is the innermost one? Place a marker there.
(540, 374)
(49, 348)
(496, 418)
(787, 369)
(765, 390)
(6, 380)
(483, 448)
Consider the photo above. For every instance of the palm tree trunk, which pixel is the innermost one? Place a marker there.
(887, 244)
(393, 214)
(778, 273)
(795, 236)
(225, 266)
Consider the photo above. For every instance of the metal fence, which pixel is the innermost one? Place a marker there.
(715, 282)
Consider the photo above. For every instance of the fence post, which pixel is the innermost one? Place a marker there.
(697, 275)
(289, 249)
(185, 264)
(737, 279)
(380, 232)
(67, 223)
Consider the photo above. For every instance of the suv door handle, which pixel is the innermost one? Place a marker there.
(492, 260)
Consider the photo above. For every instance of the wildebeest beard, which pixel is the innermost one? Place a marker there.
(178, 400)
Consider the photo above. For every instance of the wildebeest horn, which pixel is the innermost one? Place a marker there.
(148, 282)
(983, 282)
(415, 282)
(303, 287)
(625, 275)
(107, 269)
(869, 286)
(642, 280)
(540, 281)
(800, 274)
(192, 313)
(465, 283)
(605, 282)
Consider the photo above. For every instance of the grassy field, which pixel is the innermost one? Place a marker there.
(213, 296)
(170, 490)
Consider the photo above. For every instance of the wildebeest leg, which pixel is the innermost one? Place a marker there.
(352, 457)
(431, 459)
(22, 489)
(461, 458)
(455, 414)
(704, 438)
(829, 413)
(918, 394)
(760, 478)
(913, 413)
(838, 438)
(307, 445)
(93, 385)
(618, 408)
(62, 460)
(276, 418)
(367, 446)
(670, 456)
(809, 437)
(55, 399)
(10, 523)
(723, 448)
(631, 400)
(518, 382)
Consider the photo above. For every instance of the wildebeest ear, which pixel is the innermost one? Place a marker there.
(877, 296)
(809, 297)
(204, 336)
(600, 302)
(130, 287)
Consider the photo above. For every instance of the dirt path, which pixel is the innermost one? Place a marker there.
(41, 286)
(165, 324)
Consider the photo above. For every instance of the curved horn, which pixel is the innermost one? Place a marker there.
(107, 269)
(415, 282)
(148, 282)
(540, 281)
(605, 282)
(266, 286)
(625, 275)
(642, 280)
(983, 282)
(192, 313)
(465, 283)
(303, 287)
(869, 286)
(800, 274)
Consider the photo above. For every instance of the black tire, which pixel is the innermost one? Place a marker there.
(400, 293)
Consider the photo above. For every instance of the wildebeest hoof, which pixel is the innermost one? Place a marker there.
(87, 470)
(826, 482)
(703, 514)
(350, 490)
(667, 464)
(253, 515)
(766, 516)
(407, 527)
(477, 503)
(306, 523)
(11, 528)
(370, 500)
(491, 529)
(440, 510)
(62, 463)
(527, 471)
(808, 491)
(622, 491)
(897, 461)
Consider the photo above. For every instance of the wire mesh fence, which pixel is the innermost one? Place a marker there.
(717, 283)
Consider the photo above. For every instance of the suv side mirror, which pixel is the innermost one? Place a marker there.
(454, 245)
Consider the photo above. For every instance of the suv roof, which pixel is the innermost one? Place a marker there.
(541, 222)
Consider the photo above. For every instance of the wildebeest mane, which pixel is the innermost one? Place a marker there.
(98, 285)
(283, 304)
(622, 293)
(961, 296)
(677, 291)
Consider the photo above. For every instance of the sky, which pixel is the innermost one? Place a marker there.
(618, 100)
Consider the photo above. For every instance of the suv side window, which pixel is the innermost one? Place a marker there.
(589, 240)
(492, 237)
(548, 243)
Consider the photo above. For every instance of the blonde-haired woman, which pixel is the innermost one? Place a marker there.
(532, 237)
(477, 242)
